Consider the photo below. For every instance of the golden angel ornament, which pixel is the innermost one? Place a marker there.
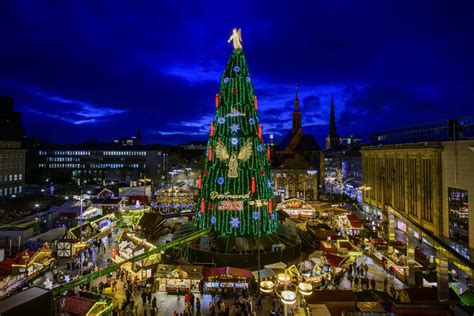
(244, 154)
(236, 38)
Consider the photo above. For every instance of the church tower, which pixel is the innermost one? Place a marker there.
(296, 113)
(332, 141)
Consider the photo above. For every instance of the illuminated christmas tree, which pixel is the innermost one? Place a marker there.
(236, 188)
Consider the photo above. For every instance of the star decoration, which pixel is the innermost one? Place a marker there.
(48, 284)
(234, 128)
(234, 222)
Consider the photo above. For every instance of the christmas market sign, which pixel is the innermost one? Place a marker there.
(231, 206)
(218, 196)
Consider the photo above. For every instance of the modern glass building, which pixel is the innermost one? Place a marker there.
(444, 130)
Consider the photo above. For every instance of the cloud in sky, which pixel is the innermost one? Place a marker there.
(105, 69)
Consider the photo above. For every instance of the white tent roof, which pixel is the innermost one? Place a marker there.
(277, 265)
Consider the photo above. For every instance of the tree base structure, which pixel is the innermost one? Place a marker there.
(243, 251)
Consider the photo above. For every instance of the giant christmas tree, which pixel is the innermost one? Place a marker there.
(236, 188)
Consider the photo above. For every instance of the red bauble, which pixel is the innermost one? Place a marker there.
(270, 207)
(203, 204)
(262, 172)
(217, 100)
(253, 185)
(209, 153)
(206, 173)
(260, 131)
(199, 182)
(255, 102)
(269, 157)
(235, 90)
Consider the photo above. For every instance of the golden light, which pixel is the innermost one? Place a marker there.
(305, 288)
(288, 297)
(266, 286)
(283, 278)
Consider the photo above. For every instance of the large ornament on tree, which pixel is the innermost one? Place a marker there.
(243, 155)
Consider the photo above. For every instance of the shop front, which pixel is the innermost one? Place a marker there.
(225, 280)
(170, 278)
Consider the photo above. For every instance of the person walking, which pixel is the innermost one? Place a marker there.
(198, 307)
(149, 296)
(153, 303)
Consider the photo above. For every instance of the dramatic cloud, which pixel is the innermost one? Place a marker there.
(105, 69)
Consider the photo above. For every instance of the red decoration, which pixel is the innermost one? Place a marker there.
(255, 102)
(270, 207)
(217, 100)
(199, 182)
(260, 131)
(235, 90)
(206, 173)
(231, 206)
(253, 185)
(209, 153)
(269, 155)
(212, 129)
(203, 204)
(262, 172)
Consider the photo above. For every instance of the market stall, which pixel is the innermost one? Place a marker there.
(90, 231)
(225, 280)
(131, 246)
(186, 278)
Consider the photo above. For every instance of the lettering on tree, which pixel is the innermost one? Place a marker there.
(224, 196)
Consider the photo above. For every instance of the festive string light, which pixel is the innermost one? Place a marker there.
(235, 202)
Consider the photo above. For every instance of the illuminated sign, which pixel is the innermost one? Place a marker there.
(231, 206)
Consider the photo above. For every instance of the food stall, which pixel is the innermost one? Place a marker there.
(41, 260)
(93, 230)
(319, 268)
(186, 278)
(226, 280)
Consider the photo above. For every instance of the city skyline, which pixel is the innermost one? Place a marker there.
(103, 71)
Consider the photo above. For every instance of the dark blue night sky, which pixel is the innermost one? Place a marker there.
(101, 69)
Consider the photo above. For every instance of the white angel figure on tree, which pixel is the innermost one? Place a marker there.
(236, 38)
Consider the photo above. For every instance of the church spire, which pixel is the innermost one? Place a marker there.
(332, 141)
(296, 103)
(296, 113)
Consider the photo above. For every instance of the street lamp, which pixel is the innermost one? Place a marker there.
(81, 198)
(289, 292)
